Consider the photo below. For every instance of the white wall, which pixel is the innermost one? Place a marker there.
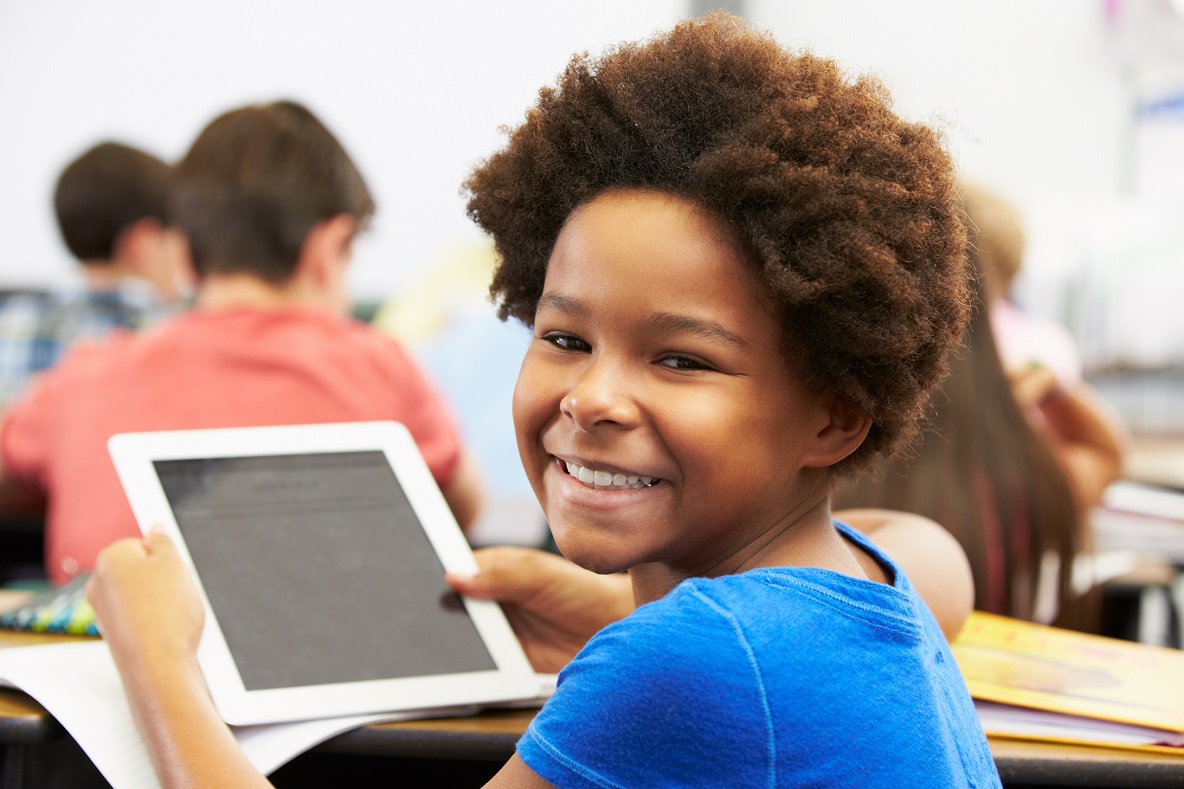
(1040, 101)
(1028, 92)
(416, 92)
(1037, 99)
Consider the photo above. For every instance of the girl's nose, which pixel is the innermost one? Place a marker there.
(601, 396)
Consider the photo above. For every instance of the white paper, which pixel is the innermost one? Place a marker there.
(1008, 719)
(78, 684)
(1146, 500)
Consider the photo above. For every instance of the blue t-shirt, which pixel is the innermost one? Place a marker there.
(788, 676)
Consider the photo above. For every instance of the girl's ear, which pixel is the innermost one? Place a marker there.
(842, 435)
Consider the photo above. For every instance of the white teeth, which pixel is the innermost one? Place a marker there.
(605, 479)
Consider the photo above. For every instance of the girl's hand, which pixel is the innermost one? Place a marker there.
(1034, 386)
(146, 605)
(1084, 433)
(553, 605)
(150, 615)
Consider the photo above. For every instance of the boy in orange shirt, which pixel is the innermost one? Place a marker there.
(270, 203)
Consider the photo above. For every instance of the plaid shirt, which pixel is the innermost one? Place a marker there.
(36, 327)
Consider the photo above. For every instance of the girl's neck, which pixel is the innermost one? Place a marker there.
(805, 537)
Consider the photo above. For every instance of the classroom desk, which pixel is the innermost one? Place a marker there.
(36, 752)
(491, 737)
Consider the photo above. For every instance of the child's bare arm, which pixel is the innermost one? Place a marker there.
(931, 558)
(553, 605)
(151, 618)
(517, 775)
(1084, 433)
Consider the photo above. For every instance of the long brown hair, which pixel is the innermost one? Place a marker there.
(984, 474)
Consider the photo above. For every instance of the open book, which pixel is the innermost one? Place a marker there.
(77, 682)
(1035, 682)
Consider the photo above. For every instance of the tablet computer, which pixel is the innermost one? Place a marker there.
(319, 552)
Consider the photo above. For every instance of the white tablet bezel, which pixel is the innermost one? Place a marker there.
(133, 455)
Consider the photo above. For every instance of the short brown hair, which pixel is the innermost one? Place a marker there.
(849, 213)
(255, 182)
(105, 191)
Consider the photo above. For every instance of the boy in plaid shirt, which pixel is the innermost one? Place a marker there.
(110, 204)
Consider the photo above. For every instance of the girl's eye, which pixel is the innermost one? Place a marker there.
(567, 342)
(676, 362)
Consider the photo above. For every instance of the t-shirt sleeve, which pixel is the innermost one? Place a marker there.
(30, 429)
(669, 696)
(426, 415)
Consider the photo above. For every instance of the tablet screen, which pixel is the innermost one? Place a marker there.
(324, 544)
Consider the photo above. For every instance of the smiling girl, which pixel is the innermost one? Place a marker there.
(743, 273)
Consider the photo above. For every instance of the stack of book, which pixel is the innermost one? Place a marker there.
(1034, 682)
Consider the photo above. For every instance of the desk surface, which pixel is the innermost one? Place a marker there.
(491, 737)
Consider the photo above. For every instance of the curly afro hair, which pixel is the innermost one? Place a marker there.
(850, 213)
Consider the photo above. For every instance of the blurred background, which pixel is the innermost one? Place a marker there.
(1073, 110)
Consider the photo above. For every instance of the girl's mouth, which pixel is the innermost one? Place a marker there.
(607, 480)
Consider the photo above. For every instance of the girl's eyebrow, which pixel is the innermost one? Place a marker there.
(698, 327)
(565, 305)
(669, 322)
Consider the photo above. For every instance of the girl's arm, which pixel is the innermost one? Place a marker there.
(517, 775)
(1087, 438)
(553, 605)
(151, 617)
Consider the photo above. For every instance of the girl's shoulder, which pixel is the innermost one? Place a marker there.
(806, 596)
(733, 624)
(751, 660)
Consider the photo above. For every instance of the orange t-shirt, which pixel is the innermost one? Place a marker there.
(231, 368)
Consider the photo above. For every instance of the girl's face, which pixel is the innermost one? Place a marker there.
(656, 416)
